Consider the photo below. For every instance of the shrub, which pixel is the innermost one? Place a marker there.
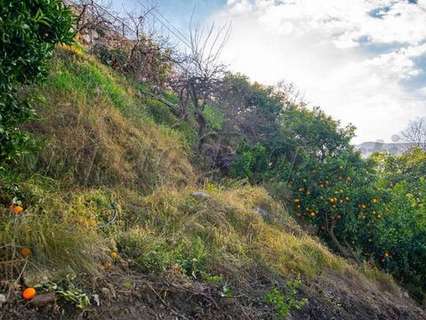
(29, 31)
(115, 58)
(399, 237)
(153, 253)
(95, 131)
(284, 302)
(50, 226)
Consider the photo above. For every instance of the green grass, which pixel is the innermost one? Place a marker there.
(111, 174)
(75, 73)
(94, 132)
(58, 238)
(229, 229)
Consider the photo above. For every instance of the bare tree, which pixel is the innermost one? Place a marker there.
(91, 17)
(290, 94)
(150, 55)
(200, 74)
(415, 133)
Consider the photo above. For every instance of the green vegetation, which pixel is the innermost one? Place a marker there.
(117, 177)
(29, 32)
(99, 177)
(367, 210)
(285, 302)
(97, 131)
(399, 236)
(67, 291)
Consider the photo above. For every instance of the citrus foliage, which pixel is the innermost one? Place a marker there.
(150, 213)
(400, 235)
(366, 209)
(29, 31)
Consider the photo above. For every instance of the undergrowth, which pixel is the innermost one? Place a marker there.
(88, 138)
(109, 181)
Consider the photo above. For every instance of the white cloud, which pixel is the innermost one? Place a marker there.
(320, 46)
(239, 6)
(399, 64)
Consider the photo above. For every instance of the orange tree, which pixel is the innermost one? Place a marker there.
(399, 238)
(339, 197)
(368, 209)
(29, 31)
(330, 186)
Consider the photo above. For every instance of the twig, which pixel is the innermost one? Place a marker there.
(165, 303)
(17, 279)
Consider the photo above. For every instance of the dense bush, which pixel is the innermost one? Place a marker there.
(143, 60)
(330, 185)
(29, 31)
(400, 235)
(366, 209)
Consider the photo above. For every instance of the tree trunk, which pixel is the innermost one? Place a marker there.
(343, 250)
(199, 117)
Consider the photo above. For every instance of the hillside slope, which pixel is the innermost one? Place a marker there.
(111, 196)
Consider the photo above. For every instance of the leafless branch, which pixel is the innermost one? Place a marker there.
(415, 133)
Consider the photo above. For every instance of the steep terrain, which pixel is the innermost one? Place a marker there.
(119, 228)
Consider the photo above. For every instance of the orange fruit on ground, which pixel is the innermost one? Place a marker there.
(16, 209)
(114, 255)
(25, 252)
(29, 293)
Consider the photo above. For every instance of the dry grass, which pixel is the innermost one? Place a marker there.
(87, 139)
(117, 176)
(59, 239)
(233, 232)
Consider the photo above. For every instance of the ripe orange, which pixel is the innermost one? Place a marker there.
(114, 255)
(25, 252)
(16, 209)
(29, 293)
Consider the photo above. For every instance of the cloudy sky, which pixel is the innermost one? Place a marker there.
(362, 61)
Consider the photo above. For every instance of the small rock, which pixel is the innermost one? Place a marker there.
(124, 264)
(2, 299)
(106, 292)
(43, 300)
(263, 213)
(112, 290)
(200, 195)
(96, 300)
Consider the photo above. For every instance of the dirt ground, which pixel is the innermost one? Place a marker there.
(169, 296)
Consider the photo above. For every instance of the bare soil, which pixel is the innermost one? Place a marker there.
(129, 295)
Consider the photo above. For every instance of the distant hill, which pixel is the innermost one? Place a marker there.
(368, 148)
